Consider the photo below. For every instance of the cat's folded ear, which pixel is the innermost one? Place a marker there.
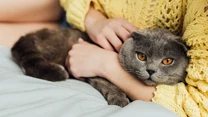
(182, 43)
(137, 35)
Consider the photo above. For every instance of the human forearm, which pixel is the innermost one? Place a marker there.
(29, 10)
(105, 64)
(7, 28)
(107, 33)
(92, 17)
(76, 11)
(135, 89)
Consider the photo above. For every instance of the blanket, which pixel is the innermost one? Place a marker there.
(25, 96)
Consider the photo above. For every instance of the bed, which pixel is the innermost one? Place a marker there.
(24, 96)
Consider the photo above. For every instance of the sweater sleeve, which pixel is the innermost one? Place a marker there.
(192, 99)
(195, 9)
(76, 11)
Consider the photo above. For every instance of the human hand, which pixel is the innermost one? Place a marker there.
(88, 60)
(110, 33)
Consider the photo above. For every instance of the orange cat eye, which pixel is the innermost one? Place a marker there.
(167, 61)
(141, 56)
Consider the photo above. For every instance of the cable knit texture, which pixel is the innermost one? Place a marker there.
(187, 17)
(143, 13)
(190, 100)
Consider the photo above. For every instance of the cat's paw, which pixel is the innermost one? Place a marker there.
(112, 94)
(117, 99)
(54, 72)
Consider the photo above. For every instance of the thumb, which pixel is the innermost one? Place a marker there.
(80, 40)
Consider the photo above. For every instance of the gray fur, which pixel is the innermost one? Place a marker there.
(42, 55)
(156, 45)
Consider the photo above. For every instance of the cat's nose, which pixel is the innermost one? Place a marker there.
(150, 71)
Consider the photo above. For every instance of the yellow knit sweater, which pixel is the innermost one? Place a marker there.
(189, 17)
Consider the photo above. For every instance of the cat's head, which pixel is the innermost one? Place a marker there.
(155, 57)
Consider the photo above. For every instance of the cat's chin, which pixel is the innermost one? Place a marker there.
(153, 83)
(150, 82)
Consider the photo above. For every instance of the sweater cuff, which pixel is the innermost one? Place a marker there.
(76, 10)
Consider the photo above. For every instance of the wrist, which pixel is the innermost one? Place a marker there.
(110, 66)
(135, 89)
(92, 17)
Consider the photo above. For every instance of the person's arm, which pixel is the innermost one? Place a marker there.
(88, 15)
(134, 88)
(20, 17)
(76, 11)
(29, 10)
(108, 33)
(11, 32)
(104, 63)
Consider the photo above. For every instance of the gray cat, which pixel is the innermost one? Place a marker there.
(152, 56)
(155, 57)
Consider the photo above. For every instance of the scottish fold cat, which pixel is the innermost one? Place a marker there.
(155, 57)
(152, 56)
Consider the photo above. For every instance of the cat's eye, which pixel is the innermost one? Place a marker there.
(167, 61)
(141, 56)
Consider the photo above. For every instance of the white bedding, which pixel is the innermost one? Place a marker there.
(24, 96)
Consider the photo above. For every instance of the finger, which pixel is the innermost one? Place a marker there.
(103, 42)
(75, 75)
(114, 40)
(80, 40)
(81, 78)
(67, 61)
(123, 33)
(72, 69)
(130, 27)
